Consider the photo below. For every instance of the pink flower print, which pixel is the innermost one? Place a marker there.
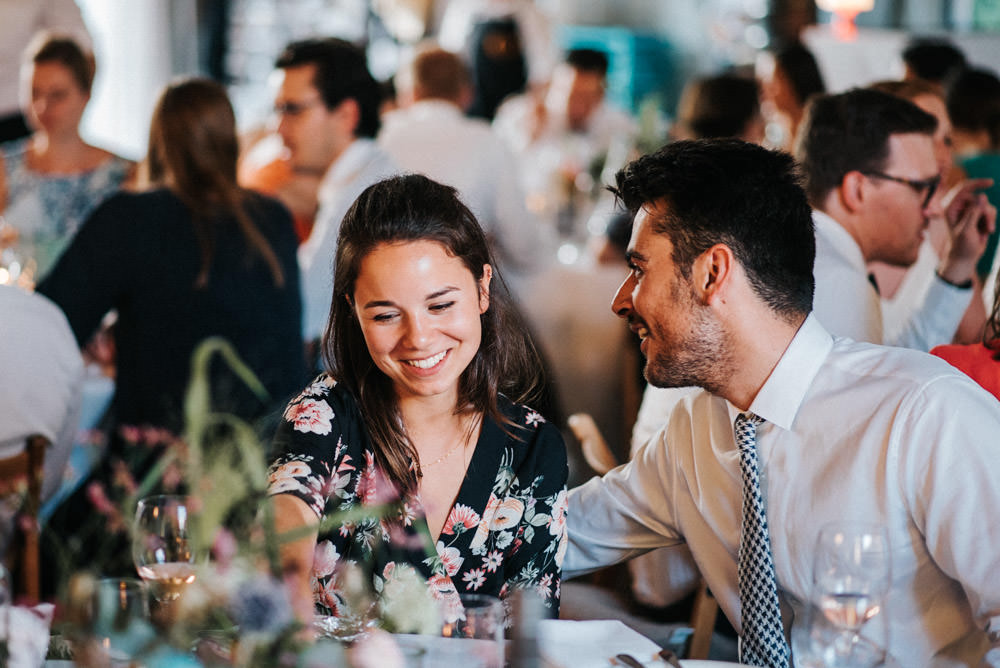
(325, 559)
(492, 561)
(285, 478)
(533, 418)
(557, 525)
(310, 416)
(388, 570)
(325, 593)
(544, 586)
(443, 591)
(497, 516)
(462, 517)
(474, 579)
(451, 558)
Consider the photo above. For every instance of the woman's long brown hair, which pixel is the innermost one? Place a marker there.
(414, 208)
(193, 151)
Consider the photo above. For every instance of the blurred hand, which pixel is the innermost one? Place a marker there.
(970, 220)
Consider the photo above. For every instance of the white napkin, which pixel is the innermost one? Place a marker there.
(592, 643)
(27, 633)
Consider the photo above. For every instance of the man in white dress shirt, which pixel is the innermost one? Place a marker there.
(720, 294)
(430, 135)
(871, 175)
(328, 103)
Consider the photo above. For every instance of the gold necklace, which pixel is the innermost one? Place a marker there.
(445, 455)
(461, 443)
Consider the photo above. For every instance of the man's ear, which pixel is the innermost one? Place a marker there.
(712, 271)
(852, 190)
(348, 113)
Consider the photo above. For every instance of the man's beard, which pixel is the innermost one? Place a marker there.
(699, 358)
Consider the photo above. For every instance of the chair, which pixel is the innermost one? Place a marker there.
(27, 465)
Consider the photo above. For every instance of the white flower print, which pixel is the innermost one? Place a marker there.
(504, 539)
(474, 579)
(310, 416)
(451, 558)
(492, 561)
(533, 418)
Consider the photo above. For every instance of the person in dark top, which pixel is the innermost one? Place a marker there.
(419, 410)
(191, 257)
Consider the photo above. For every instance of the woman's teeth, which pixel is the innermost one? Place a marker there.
(429, 362)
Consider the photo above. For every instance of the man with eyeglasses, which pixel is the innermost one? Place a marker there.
(871, 176)
(327, 111)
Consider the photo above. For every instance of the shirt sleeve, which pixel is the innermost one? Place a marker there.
(625, 513)
(932, 321)
(312, 463)
(947, 464)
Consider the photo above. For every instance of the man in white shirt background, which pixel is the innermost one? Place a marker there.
(327, 103)
(871, 175)
(430, 134)
(720, 293)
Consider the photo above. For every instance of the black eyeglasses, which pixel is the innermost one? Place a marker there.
(918, 185)
(295, 108)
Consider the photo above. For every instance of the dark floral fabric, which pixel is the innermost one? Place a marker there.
(506, 530)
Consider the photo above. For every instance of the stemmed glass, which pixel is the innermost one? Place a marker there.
(162, 548)
(850, 582)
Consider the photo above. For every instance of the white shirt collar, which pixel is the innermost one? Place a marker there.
(839, 239)
(784, 390)
(348, 165)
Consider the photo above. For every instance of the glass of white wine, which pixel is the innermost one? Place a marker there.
(162, 548)
(850, 583)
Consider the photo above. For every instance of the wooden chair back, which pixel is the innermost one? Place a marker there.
(27, 464)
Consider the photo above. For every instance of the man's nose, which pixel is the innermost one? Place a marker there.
(622, 303)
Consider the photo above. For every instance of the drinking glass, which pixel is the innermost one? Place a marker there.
(121, 619)
(850, 582)
(477, 634)
(162, 548)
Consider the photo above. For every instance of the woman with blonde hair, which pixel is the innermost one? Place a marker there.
(189, 257)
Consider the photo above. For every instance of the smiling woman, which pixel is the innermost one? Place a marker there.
(426, 363)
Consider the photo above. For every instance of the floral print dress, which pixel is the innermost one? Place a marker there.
(506, 530)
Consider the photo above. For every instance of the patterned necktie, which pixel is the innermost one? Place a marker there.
(763, 640)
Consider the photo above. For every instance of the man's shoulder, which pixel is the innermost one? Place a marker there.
(896, 369)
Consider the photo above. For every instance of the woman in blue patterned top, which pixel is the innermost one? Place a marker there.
(52, 180)
(426, 363)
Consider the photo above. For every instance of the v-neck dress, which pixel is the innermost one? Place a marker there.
(506, 530)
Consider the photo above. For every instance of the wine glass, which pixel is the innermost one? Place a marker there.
(162, 548)
(850, 583)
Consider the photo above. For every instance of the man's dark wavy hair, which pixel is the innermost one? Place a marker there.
(735, 193)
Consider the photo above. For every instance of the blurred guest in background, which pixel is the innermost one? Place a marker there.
(725, 105)
(973, 100)
(931, 59)
(430, 135)
(52, 180)
(788, 77)
(190, 257)
(42, 373)
(328, 105)
(508, 44)
(871, 175)
(19, 22)
(981, 360)
(902, 288)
